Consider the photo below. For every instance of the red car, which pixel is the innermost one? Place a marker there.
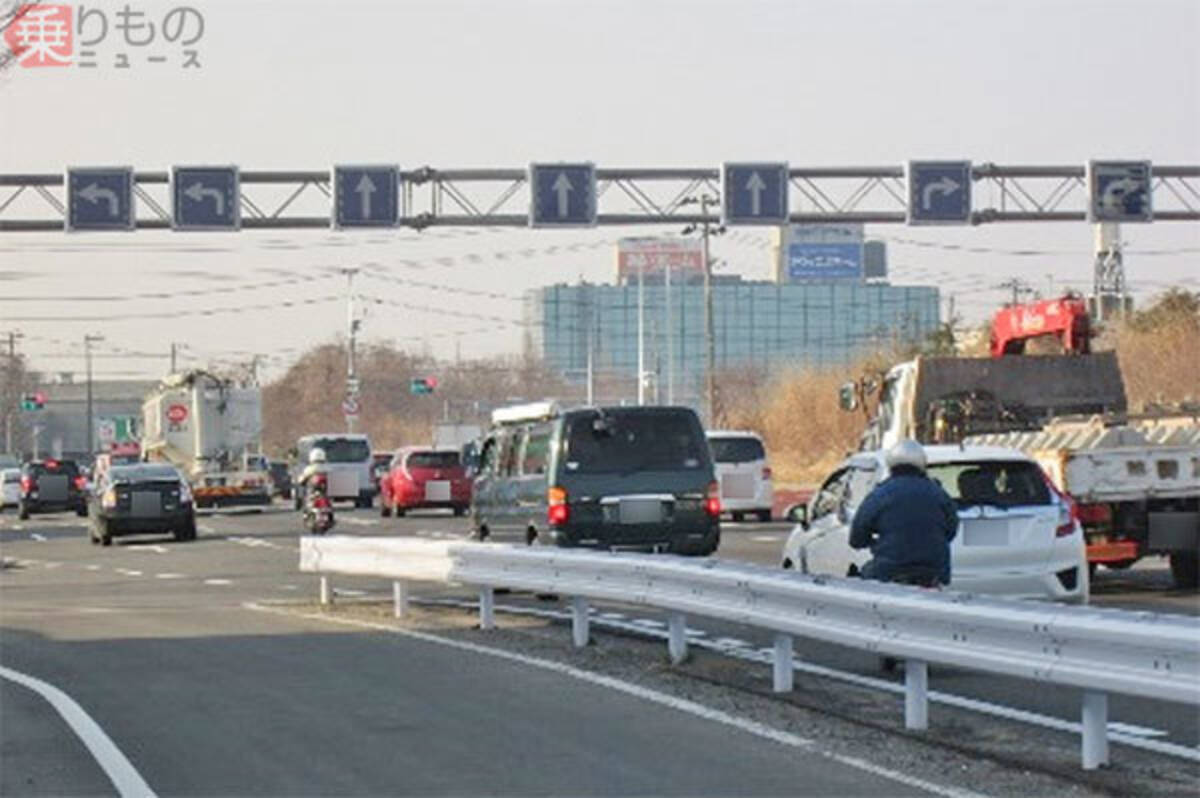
(424, 478)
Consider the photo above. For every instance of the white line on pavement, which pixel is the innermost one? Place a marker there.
(38, 538)
(766, 538)
(168, 576)
(127, 572)
(116, 766)
(218, 582)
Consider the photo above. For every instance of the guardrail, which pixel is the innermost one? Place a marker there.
(1100, 651)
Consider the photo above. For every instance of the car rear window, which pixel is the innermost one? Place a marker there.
(57, 467)
(632, 440)
(342, 450)
(12, 476)
(737, 450)
(1012, 483)
(432, 460)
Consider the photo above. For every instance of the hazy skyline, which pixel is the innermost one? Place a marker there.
(305, 85)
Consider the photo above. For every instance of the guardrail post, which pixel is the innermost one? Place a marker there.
(326, 593)
(1095, 729)
(579, 621)
(785, 672)
(399, 598)
(677, 637)
(916, 695)
(487, 608)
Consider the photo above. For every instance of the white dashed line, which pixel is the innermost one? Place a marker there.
(168, 576)
(766, 538)
(127, 572)
(205, 528)
(351, 593)
(52, 565)
(362, 521)
(217, 582)
(38, 538)
(650, 623)
(92, 567)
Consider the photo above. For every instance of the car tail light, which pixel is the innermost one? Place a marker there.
(81, 483)
(319, 481)
(26, 483)
(766, 472)
(712, 503)
(52, 465)
(1094, 513)
(558, 511)
(320, 502)
(1068, 510)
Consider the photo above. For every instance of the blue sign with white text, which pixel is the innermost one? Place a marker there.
(205, 198)
(100, 199)
(562, 195)
(366, 196)
(1120, 191)
(754, 193)
(939, 192)
(809, 261)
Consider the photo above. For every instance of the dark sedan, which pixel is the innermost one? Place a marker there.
(142, 499)
(51, 486)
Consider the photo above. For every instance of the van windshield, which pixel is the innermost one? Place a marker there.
(631, 440)
(1000, 483)
(737, 450)
(343, 450)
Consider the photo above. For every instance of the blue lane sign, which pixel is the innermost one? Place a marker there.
(205, 198)
(562, 195)
(939, 192)
(754, 193)
(1119, 191)
(366, 196)
(100, 198)
(821, 261)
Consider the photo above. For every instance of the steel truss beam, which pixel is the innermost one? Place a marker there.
(500, 197)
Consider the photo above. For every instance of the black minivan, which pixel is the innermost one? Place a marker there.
(638, 478)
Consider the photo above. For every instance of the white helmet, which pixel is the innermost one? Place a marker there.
(906, 453)
(316, 455)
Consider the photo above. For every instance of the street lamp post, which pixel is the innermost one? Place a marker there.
(88, 340)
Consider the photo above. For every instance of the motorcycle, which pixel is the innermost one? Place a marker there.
(318, 509)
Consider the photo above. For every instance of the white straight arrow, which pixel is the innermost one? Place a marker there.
(197, 192)
(364, 189)
(562, 186)
(93, 194)
(943, 185)
(755, 186)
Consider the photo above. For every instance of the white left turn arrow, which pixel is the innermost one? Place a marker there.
(562, 186)
(197, 192)
(93, 194)
(943, 185)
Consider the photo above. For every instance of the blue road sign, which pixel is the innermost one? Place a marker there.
(366, 196)
(205, 198)
(754, 193)
(562, 195)
(100, 198)
(1120, 191)
(939, 192)
(820, 261)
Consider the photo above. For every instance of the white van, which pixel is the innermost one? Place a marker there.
(347, 463)
(741, 465)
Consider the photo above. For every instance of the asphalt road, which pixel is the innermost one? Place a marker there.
(204, 696)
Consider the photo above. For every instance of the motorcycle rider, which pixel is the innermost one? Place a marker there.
(907, 521)
(316, 465)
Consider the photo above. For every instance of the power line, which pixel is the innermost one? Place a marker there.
(168, 295)
(290, 303)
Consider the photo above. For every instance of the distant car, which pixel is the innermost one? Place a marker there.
(1017, 536)
(10, 487)
(381, 463)
(52, 486)
(740, 461)
(422, 478)
(347, 467)
(281, 478)
(141, 499)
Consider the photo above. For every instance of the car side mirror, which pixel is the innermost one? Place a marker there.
(797, 514)
(848, 397)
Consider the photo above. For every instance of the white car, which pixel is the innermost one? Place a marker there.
(1017, 536)
(10, 487)
(740, 462)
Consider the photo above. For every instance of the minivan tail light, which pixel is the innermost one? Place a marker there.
(712, 503)
(26, 483)
(557, 512)
(1068, 515)
(766, 472)
(81, 483)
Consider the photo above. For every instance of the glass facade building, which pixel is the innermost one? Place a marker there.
(756, 324)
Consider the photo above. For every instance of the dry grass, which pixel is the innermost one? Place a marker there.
(1160, 365)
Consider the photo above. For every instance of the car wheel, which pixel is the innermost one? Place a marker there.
(764, 516)
(483, 533)
(104, 532)
(186, 531)
(736, 517)
(458, 511)
(531, 536)
(384, 510)
(400, 512)
(23, 512)
(81, 511)
(1185, 569)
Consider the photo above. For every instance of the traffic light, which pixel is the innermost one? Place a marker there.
(422, 385)
(33, 401)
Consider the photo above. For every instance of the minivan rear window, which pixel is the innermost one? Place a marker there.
(630, 440)
(432, 460)
(342, 450)
(1000, 483)
(737, 450)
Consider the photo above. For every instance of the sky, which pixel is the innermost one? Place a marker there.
(305, 85)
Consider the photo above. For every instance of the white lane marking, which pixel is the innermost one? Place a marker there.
(127, 572)
(116, 766)
(37, 537)
(650, 623)
(52, 565)
(205, 528)
(168, 576)
(217, 582)
(362, 521)
(289, 587)
(730, 642)
(1136, 731)
(766, 538)
(612, 616)
(157, 549)
(654, 696)
(92, 567)
(351, 593)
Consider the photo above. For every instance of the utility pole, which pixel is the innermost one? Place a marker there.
(351, 377)
(88, 340)
(670, 338)
(1018, 287)
(710, 338)
(641, 335)
(11, 388)
(174, 346)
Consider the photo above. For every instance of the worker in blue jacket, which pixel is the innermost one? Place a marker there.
(907, 521)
